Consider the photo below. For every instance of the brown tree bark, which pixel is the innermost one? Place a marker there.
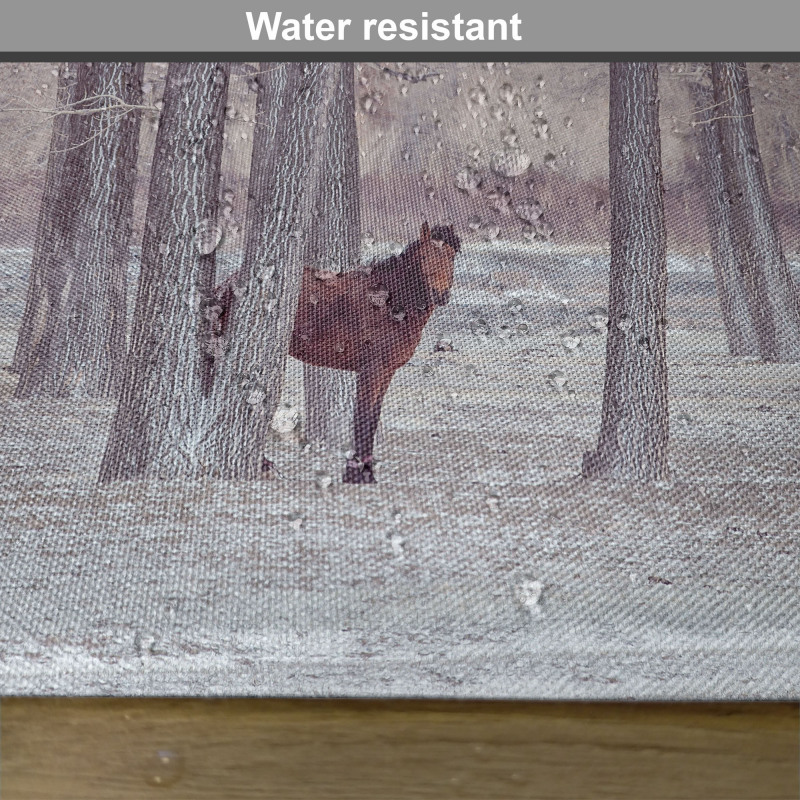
(248, 381)
(734, 308)
(334, 244)
(74, 343)
(634, 425)
(772, 293)
(158, 419)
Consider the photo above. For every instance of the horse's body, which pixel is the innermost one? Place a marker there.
(370, 322)
(338, 326)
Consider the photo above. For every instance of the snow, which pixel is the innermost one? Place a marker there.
(480, 565)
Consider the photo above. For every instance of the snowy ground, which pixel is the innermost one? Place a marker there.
(481, 565)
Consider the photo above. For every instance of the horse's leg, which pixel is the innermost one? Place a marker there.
(372, 386)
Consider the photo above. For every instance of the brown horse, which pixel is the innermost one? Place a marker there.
(370, 321)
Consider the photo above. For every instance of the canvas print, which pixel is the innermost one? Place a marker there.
(394, 379)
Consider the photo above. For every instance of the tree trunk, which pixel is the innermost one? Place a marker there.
(334, 244)
(772, 294)
(634, 426)
(736, 317)
(82, 241)
(248, 383)
(158, 421)
(787, 146)
(46, 275)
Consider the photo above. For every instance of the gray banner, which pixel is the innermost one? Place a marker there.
(577, 26)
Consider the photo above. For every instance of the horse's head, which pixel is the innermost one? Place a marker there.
(437, 254)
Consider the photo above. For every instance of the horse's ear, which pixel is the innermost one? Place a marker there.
(425, 233)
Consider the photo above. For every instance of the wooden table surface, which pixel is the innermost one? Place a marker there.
(113, 749)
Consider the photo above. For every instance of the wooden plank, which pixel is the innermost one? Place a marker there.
(120, 749)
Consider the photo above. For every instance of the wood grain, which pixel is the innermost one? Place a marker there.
(240, 749)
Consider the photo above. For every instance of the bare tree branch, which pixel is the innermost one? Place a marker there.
(117, 104)
(696, 122)
(407, 76)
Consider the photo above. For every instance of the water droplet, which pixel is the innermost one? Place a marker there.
(398, 544)
(474, 223)
(208, 236)
(541, 129)
(529, 210)
(505, 332)
(498, 113)
(567, 122)
(624, 323)
(570, 341)
(443, 346)
(468, 179)
(550, 160)
(395, 248)
(499, 199)
(368, 239)
(510, 163)
(557, 379)
(515, 305)
(597, 318)
(480, 327)
(473, 151)
(427, 370)
(529, 593)
(509, 137)
(683, 417)
(286, 419)
(478, 95)
(543, 229)
(490, 231)
(256, 398)
(164, 768)
(295, 520)
(379, 296)
(370, 101)
(323, 480)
